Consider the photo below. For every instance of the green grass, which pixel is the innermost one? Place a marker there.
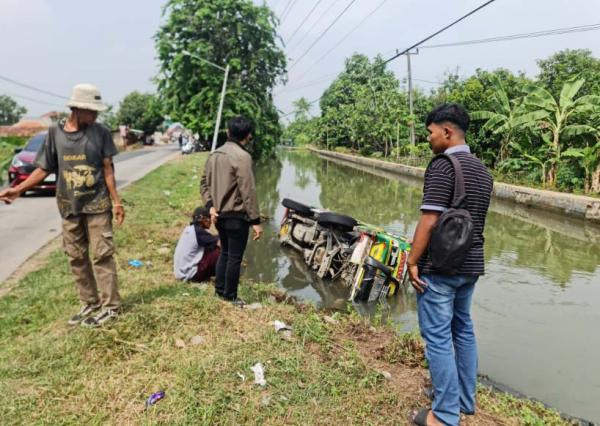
(326, 374)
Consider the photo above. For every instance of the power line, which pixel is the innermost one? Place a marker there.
(292, 4)
(304, 20)
(408, 49)
(27, 86)
(15, 95)
(283, 12)
(397, 55)
(557, 31)
(315, 23)
(345, 37)
(324, 32)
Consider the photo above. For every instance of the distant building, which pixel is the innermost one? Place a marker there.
(28, 127)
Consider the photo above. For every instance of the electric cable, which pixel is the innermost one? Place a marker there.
(283, 12)
(557, 31)
(292, 4)
(344, 37)
(397, 55)
(337, 18)
(404, 51)
(15, 95)
(27, 86)
(304, 20)
(319, 19)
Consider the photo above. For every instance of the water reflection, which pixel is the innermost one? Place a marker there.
(536, 309)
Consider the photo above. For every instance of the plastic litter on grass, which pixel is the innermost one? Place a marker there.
(259, 374)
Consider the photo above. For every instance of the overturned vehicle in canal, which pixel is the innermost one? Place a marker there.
(366, 258)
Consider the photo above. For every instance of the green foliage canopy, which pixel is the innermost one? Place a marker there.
(10, 110)
(140, 111)
(234, 32)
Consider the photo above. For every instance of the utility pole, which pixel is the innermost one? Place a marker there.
(410, 99)
(224, 88)
(218, 122)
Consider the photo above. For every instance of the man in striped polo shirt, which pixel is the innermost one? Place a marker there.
(444, 301)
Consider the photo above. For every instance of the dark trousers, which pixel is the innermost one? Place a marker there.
(234, 237)
(208, 265)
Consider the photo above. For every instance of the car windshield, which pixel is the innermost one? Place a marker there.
(35, 142)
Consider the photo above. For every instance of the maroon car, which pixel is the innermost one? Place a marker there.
(23, 165)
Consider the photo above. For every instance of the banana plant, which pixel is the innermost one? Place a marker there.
(502, 120)
(589, 158)
(557, 120)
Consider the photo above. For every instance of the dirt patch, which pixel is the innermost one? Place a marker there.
(400, 360)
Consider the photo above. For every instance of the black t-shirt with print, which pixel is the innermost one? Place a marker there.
(77, 159)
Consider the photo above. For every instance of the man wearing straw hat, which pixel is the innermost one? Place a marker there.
(80, 152)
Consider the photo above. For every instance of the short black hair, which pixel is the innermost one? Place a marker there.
(239, 128)
(451, 112)
(199, 213)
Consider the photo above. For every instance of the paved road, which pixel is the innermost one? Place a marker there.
(32, 221)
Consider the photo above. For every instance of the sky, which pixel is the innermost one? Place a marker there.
(54, 44)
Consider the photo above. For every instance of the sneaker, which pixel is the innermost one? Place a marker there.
(101, 318)
(237, 302)
(83, 313)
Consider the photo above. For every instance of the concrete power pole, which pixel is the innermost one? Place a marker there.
(410, 99)
(220, 111)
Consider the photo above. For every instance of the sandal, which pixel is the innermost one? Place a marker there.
(421, 418)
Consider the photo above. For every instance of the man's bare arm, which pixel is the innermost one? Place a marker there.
(111, 184)
(11, 194)
(419, 245)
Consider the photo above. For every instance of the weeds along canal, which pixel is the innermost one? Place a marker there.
(536, 310)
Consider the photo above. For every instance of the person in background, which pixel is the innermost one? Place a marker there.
(197, 250)
(229, 190)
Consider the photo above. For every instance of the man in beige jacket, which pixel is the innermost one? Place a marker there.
(229, 190)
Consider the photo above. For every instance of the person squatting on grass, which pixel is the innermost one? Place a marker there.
(79, 151)
(229, 191)
(197, 250)
(444, 300)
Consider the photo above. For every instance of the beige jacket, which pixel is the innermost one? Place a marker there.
(228, 183)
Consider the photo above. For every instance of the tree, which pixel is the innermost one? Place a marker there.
(561, 67)
(109, 118)
(140, 111)
(10, 111)
(556, 119)
(234, 32)
(501, 119)
(301, 109)
(479, 93)
(589, 157)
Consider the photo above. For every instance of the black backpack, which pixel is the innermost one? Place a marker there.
(452, 234)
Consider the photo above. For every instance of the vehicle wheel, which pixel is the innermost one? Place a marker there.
(301, 209)
(338, 221)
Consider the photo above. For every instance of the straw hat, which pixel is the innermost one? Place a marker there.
(86, 96)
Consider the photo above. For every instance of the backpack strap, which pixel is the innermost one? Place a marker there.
(460, 195)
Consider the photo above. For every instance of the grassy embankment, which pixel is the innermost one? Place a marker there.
(326, 372)
(526, 178)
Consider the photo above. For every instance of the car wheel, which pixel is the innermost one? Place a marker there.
(338, 221)
(299, 208)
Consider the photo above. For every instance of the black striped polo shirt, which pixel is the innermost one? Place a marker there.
(438, 191)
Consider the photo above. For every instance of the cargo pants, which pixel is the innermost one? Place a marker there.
(93, 232)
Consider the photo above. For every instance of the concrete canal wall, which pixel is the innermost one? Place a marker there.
(576, 206)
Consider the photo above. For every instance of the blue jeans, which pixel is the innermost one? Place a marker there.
(444, 311)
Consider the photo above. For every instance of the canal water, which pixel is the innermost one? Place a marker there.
(536, 311)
